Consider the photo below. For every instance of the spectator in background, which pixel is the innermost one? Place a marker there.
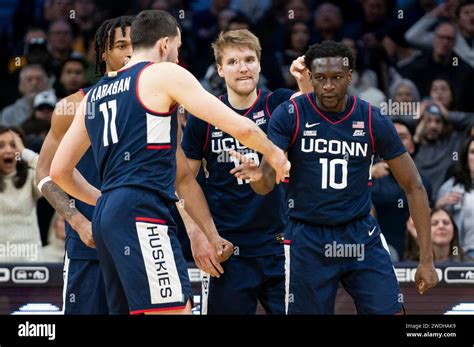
(34, 50)
(72, 76)
(442, 93)
(404, 92)
(327, 23)
(56, 9)
(18, 194)
(444, 237)
(456, 195)
(420, 34)
(364, 80)
(37, 126)
(205, 30)
(437, 145)
(60, 37)
(389, 199)
(297, 44)
(442, 61)
(54, 251)
(32, 80)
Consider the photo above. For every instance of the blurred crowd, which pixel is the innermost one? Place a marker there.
(415, 60)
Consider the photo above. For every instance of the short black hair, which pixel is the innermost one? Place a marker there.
(106, 34)
(151, 25)
(328, 49)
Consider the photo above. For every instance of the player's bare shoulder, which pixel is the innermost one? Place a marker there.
(64, 112)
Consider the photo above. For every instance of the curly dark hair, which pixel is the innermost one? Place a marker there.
(105, 38)
(327, 49)
(21, 167)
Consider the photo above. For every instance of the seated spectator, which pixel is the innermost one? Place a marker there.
(54, 251)
(444, 237)
(72, 77)
(61, 41)
(297, 45)
(442, 61)
(364, 80)
(421, 36)
(32, 80)
(456, 195)
(442, 93)
(436, 144)
(405, 95)
(37, 126)
(328, 23)
(18, 195)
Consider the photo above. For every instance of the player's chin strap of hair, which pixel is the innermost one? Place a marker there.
(43, 182)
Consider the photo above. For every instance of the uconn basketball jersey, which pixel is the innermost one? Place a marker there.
(147, 158)
(331, 156)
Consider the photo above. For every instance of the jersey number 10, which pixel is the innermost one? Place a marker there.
(332, 173)
(104, 109)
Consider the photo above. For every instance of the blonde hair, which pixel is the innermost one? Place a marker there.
(235, 38)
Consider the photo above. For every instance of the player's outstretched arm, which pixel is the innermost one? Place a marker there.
(71, 149)
(61, 120)
(406, 174)
(184, 88)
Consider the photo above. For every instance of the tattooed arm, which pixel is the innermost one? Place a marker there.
(60, 122)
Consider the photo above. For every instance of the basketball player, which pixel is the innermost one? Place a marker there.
(256, 270)
(84, 290)
(127, 120)
(331, 138)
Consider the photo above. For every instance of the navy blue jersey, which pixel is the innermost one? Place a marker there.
(251, 222)
(75, 248)
(331, 156)
(133, 146)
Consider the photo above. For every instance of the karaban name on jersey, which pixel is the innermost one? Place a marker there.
(331, 155)
(133, 146)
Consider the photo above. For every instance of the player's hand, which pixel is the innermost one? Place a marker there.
(205, 254)
(227, 250)
(450, 198)
(425, 277)
(84, 229)
(380, 170)
(298, 69)
(279, 163)
(248, 168)
(18, 141)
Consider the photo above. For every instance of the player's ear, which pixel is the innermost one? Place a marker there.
(349, 76)
(103, 57)
(219, 70)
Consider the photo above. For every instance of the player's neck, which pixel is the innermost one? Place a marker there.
(337, 109)
(141, 56)
(241, 102)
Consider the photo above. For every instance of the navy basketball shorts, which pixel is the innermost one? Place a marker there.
(84, 288)
(246, 280)
(139, 252)
(318, 258)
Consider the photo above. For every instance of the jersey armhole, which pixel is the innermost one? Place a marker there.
(137, 94)
(297, 128)
(206, 141)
